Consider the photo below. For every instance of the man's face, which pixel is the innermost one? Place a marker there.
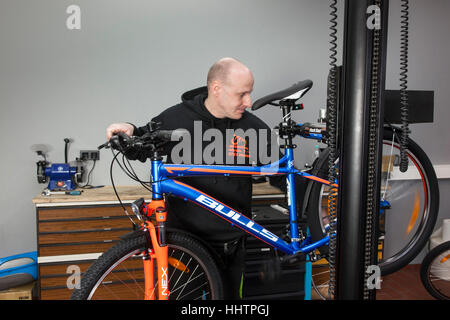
(234, 96)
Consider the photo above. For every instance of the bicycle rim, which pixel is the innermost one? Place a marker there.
(404, 224)
(407, 224)
(189, 279)
(437, 272)
(320, 279)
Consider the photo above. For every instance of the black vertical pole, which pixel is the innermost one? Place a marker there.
(354, 152)
(356, 234)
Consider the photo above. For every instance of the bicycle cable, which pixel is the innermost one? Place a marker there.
(132, 175)
(114, 187)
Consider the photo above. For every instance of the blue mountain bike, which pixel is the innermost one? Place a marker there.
(155, 262)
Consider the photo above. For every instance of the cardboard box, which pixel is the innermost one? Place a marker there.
(24, 292)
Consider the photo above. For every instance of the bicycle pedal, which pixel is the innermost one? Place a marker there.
(293, 260)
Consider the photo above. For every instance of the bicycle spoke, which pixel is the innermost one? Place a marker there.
(189, 280)
(204, 294)
(118, 274)
(180, 287)
(181, 274)
(388, 169)
(187, 294)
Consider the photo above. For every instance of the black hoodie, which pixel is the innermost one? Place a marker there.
(234, 191)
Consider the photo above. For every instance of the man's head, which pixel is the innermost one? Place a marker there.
(230, 84)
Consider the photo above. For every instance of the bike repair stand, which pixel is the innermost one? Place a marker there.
(360, 139)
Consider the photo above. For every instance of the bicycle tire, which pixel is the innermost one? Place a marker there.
(435, 271)
(118, 269)
(421, 230)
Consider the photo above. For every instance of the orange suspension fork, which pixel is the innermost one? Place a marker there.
(149, 279)
(160, 253)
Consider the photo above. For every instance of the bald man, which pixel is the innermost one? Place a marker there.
(229, 85)
(221, 105)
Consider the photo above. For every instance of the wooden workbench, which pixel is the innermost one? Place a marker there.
(130, 193)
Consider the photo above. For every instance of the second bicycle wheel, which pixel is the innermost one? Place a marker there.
(119, 273)
(435, 271)
(410, 203)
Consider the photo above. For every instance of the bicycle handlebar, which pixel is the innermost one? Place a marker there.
(145, 144)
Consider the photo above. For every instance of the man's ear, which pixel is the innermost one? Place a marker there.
(215, 88)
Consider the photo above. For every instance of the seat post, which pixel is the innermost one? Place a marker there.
(286, 107)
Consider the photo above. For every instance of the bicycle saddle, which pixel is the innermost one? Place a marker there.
(294, 92)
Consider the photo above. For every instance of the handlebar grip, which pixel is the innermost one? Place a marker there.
(170, 135)
(163, 134)
(120, 141)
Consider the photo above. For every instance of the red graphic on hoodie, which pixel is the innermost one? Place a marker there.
(238, 147)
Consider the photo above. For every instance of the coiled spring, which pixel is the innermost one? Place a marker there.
(404, 43)
(332, 145)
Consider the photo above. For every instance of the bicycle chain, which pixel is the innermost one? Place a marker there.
(372, 152)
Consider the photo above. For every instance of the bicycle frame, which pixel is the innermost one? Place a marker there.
(164, 184)
(164, 171)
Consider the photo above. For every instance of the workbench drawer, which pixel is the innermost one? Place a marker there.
(80, 229)
(55, 275)
(85, 225)
(54, 278)
(45, 250)
(80, 212)
(82, 236)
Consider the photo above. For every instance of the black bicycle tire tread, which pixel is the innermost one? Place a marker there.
(124, 246)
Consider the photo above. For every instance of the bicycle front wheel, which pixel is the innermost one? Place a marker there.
(435, 271)
(119, 273)
(409, 203)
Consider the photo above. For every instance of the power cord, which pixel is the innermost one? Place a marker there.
(88, 182)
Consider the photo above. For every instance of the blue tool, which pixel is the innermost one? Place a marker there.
(61, 176)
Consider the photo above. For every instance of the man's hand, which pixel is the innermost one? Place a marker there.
(119, 127)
